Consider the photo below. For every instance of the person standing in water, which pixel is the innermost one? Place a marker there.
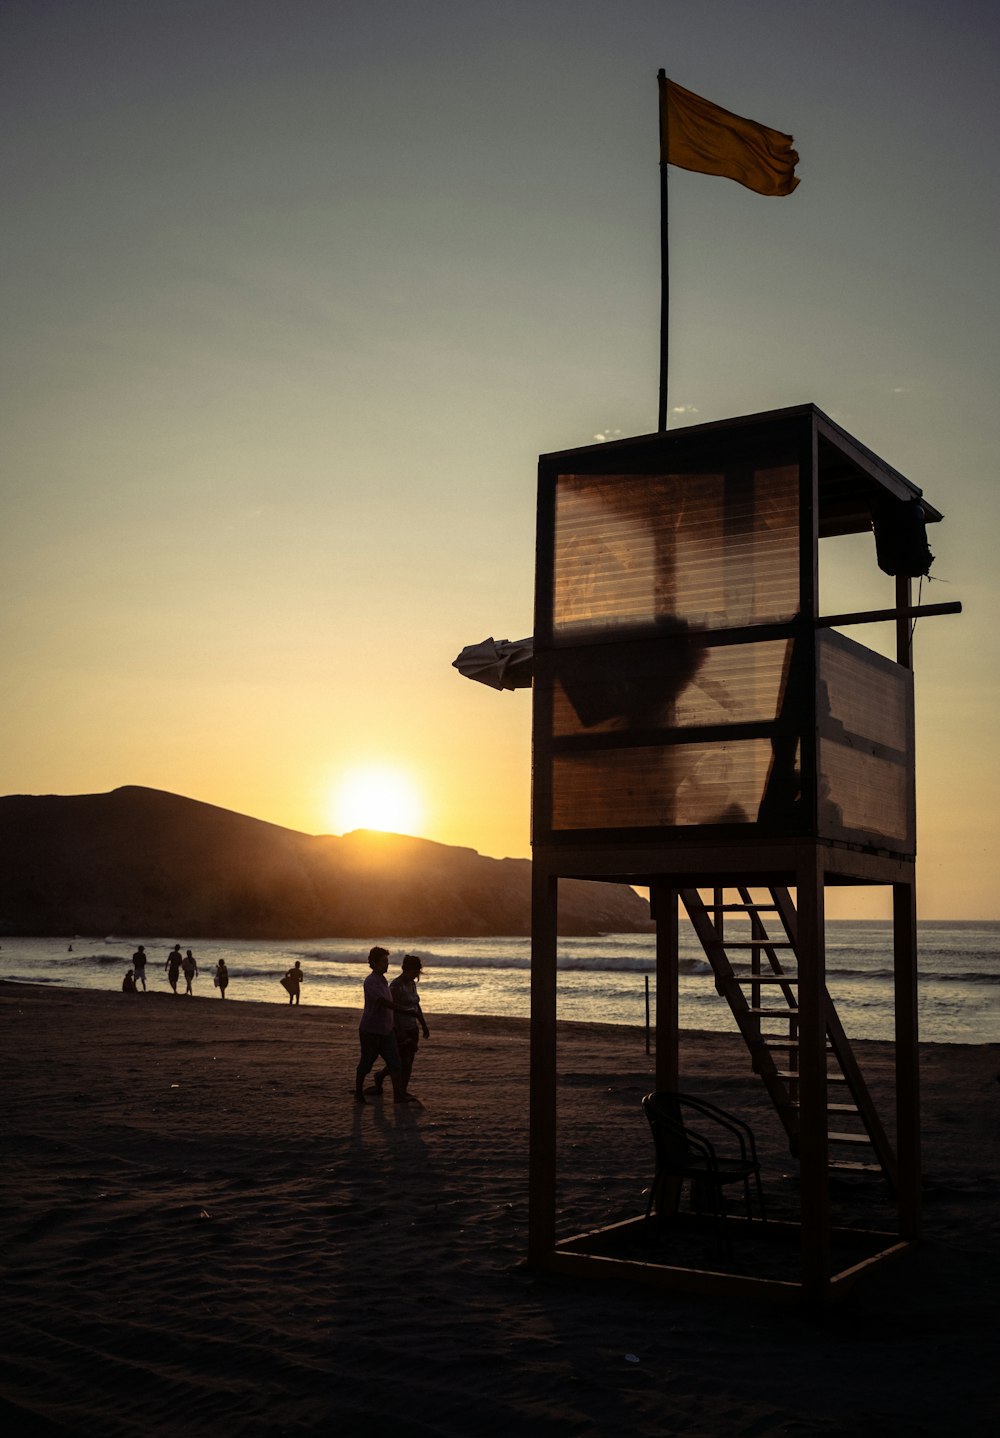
(221, 979)
(139, 968)
(408, 1020)
(173, 966)
(292, 982)
(190, 969)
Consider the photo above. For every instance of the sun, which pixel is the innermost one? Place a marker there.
(376, 797)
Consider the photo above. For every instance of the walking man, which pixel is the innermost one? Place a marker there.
(173, 966)
(375, 1029)
(190, 969)
(408, 1020)
(139, 968)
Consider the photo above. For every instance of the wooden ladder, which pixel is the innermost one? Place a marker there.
(758, 977)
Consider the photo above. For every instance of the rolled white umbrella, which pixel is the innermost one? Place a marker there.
(500, 663)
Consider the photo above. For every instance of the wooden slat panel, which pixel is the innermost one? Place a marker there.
(707, 548)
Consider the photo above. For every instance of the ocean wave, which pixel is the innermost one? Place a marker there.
(566, 963)
(954, 978)
(355, 962)
(837, 977)
(833, 973)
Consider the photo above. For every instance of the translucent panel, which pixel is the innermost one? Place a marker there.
(862, 694)
(860, 792)
(713, 550)
(865, 720)
(651, 787)
(650, 685)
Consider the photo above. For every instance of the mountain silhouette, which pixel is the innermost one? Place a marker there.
(143, 861)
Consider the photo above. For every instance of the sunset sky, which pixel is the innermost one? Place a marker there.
(295, 293)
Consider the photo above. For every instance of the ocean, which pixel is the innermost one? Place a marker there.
(601, 980)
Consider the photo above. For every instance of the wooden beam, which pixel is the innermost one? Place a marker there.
(615, 857)
(542, 1090)
(901, 614)
(904, 944)
(675, 1279)
(904, 629)
(813, 1125)
(665, 735)
(667, 987)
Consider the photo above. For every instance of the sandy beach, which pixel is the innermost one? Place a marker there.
(202, 1233)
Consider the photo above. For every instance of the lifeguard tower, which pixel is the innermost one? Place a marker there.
(701, 728)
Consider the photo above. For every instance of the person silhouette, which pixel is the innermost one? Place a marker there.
(408, 1020)
(292, 982)
(221, 979)
(375, 1030)
(139, 968)
(190, 969)
(173, 966)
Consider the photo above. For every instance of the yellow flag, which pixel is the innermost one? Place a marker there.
(697, 135)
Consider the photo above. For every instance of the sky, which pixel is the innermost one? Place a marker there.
(294, 294)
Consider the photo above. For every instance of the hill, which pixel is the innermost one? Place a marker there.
(144, 861)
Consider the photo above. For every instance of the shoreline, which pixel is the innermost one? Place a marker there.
(203, 1234)
(342, 1011)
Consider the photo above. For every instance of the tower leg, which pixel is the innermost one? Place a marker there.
(667, 970)
(904, 942)
(814, 1180)
(542, 1099)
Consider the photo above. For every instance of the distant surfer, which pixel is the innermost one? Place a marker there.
(292, 982)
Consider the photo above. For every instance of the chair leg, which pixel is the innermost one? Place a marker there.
(760, 1198)
(709, 1197)
(724, 1242)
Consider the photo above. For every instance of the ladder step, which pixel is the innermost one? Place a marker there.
(781, 1042)
(853, 1138)
(831, 1107)
(796, 1075)
(742, 909)
(849, 1167)
(789, 1013)
(765, 978)
(755, 943)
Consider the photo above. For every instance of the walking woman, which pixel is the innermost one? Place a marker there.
(190, 969)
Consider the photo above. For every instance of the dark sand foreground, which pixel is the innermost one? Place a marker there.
(202, 1234)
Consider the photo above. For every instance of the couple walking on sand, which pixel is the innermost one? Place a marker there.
(390, 1025)
(175, 963)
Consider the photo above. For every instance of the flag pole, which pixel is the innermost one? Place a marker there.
(661, 421)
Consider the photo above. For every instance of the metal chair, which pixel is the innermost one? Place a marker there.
(680, 1125)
